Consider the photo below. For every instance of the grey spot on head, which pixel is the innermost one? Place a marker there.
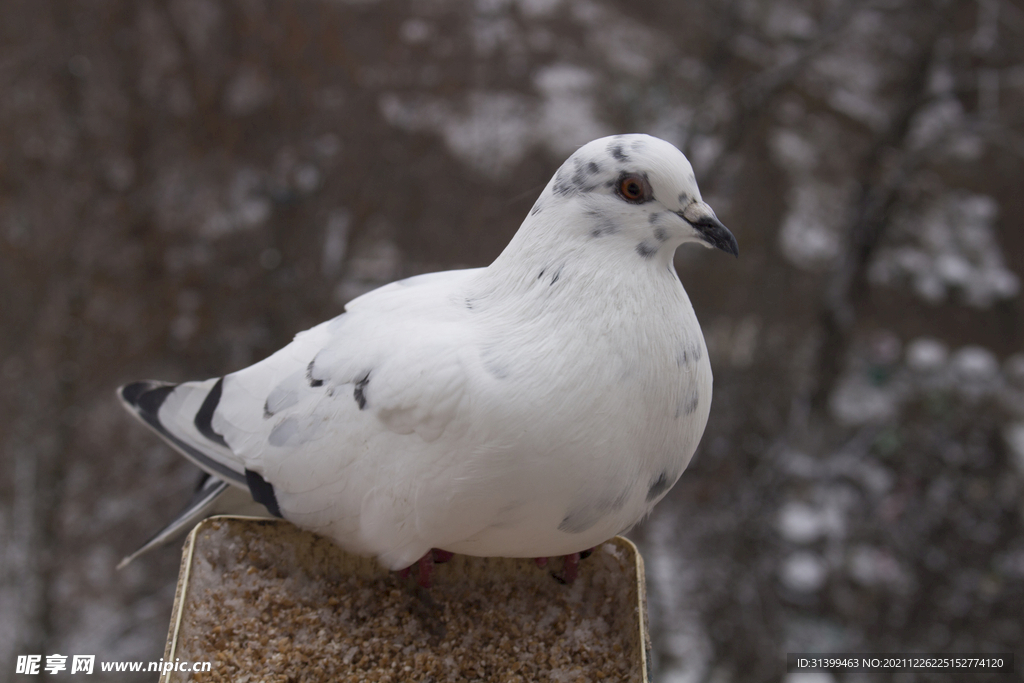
(615, 149)
(659, 486)
(277, 400)
(684, 199)
(646, 250)
(469, 303)
(584, 517)
(578, 183)
(582, 175)
(537, 208)
(638, 145)
(653, 217)
(688, 403)
(563, 185)
(313, 381)
(660, 234)
(284, 433)
(602, 224)
(541, 273)
(359, 393)
(558, 274)
(579, 176)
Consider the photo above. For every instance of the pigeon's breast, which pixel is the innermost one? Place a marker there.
(606, 416)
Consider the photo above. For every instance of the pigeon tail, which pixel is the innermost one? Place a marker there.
(197, 509)
(182, 415)
(213, 496)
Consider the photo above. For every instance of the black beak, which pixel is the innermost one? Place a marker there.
(717, 235)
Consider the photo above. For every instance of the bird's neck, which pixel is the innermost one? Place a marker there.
(573, 274)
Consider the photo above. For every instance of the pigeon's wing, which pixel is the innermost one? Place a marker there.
(221, 433)
(345, 424)
(399, 344)
(340, 430)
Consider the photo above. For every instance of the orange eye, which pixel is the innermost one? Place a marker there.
(634, 188)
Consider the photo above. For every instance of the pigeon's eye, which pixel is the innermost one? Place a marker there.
(634, 188)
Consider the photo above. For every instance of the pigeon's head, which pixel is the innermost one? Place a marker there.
(635, 188)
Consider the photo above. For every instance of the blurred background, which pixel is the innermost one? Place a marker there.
(185, 184)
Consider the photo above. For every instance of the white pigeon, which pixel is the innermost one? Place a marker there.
(532, 408)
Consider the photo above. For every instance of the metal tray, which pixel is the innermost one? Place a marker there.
(261, 600)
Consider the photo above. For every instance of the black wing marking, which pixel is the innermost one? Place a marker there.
(263, 492)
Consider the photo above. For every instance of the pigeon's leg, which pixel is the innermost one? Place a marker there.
(570, 566)
(426, 565)
(570, 569)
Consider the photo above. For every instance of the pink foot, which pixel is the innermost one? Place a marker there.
(570, 568)
(426, 565)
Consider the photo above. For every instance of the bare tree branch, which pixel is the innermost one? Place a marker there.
(885, 171)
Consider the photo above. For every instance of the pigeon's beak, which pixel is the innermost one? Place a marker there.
(703, 219)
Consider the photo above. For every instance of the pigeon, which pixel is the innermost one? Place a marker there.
(535, 407)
